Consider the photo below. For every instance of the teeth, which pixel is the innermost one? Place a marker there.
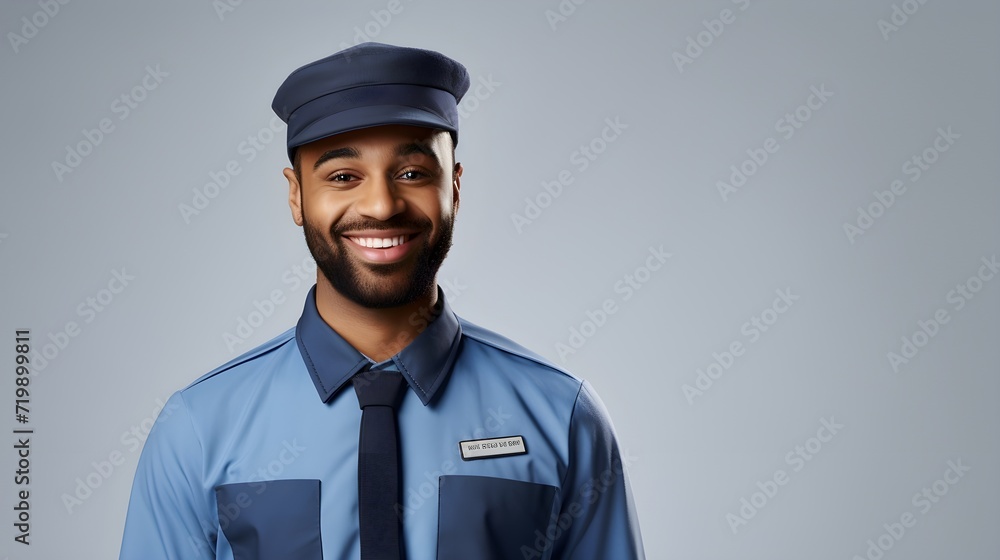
(379, 242)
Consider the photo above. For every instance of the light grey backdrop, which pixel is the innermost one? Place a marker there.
(824, 169)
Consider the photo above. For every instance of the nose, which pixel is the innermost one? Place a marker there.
(379, 199)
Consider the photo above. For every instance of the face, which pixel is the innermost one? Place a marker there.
(377, 206)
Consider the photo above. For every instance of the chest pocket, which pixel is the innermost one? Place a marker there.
(492, 518)
(271, 519)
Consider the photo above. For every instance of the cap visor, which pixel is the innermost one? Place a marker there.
(367, 117)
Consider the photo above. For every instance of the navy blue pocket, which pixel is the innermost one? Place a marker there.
(271, 519)
(490, 518)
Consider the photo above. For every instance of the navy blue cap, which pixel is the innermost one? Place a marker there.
(371, 84)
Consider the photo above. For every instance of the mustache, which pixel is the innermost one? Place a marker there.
(395, 223)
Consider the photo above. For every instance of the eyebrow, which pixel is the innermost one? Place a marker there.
(402, 150)
(411, 148)
(349, 153)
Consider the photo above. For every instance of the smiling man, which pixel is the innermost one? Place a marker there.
(382, 426)
(378, 208)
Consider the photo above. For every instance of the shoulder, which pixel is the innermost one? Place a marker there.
(500, 343)
(499, 348)
(551, 378)
(259, 358)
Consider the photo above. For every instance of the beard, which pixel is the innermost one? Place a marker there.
(380, 285)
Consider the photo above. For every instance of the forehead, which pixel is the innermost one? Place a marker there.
(379, 140)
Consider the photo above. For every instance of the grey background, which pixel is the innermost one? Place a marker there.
(654, 185)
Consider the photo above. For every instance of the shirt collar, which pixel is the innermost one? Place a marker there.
(425, 362)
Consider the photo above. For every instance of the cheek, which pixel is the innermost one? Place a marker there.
(429, 204)
(323, 211)
(443, 204)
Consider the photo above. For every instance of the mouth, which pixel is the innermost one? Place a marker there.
(382, 247)
(381, 242)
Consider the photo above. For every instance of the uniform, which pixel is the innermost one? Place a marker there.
(264, 448)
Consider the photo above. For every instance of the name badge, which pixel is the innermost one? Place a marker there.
(493, 447)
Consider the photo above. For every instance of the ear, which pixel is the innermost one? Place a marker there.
(456, 184)
(294, 195)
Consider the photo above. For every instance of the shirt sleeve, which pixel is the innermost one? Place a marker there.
(597, 518)
(169, 514)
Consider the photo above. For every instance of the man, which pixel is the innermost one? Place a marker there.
(470, 446)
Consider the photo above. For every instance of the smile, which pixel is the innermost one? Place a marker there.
(377, 249)
(380, 242)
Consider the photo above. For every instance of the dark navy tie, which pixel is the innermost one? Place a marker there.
(379, 394)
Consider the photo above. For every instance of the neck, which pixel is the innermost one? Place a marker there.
(377, 333)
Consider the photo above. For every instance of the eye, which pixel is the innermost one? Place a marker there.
(412, 175)
(342, 177)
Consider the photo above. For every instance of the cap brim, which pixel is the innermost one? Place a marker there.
(366, 117)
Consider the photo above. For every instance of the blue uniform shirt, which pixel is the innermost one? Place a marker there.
(258, 458)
